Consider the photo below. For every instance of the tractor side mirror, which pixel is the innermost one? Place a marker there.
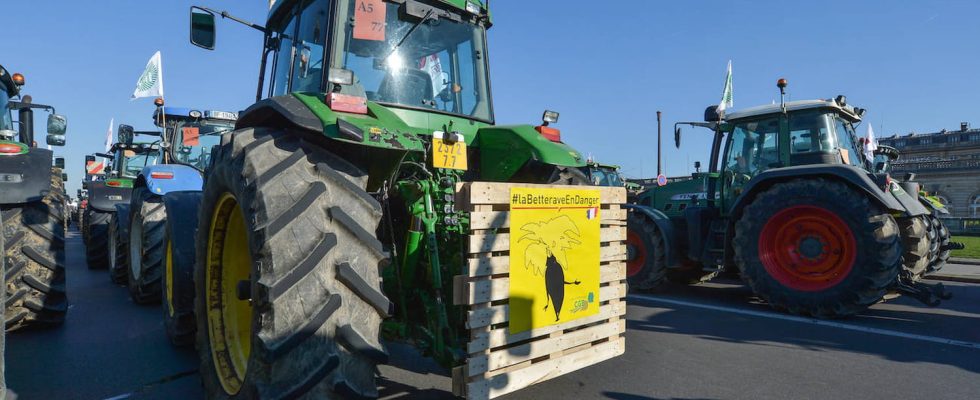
(64, 177)
(125, 134)
(202, 28)
(57, 124)
(59, 162)
(677, 137)
(56, 140)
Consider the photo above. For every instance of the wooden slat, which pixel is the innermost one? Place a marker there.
(488, 339)
(501, 219)
(500, 385)
(501, 241)
(483, 266)
(496, 193)
(529, 351)
(485, 291)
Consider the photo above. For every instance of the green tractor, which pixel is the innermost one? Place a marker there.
(940, 244)
(331, 207)
(126, 160)
(32, 203)
(791, 203)
(600, 174)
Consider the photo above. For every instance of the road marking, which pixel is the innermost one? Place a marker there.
(814, 321)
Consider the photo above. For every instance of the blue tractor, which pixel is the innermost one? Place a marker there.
(164, 205)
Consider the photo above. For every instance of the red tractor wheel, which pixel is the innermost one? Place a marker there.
(817, 247)
(646, 257)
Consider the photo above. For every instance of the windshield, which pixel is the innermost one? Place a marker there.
(604, 176)
(193, 139)
(133, 163)
(5, 122)
(440, 65)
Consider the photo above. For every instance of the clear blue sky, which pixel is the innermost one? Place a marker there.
(606, 66)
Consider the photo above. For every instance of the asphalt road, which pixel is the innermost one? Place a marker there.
(712, 341)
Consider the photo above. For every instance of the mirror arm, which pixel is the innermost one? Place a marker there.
(17, 105)
(225, 14)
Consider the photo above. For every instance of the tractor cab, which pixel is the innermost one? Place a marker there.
(755, 140)
(192, 133)
(129, 159)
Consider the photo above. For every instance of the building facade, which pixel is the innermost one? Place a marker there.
(946, 163)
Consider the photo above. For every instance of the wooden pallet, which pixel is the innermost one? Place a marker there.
(499, 362)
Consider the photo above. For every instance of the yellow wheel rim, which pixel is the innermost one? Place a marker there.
(229, 319)
(170, 277)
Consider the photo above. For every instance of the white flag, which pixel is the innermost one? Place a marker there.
(727, 98)
(150, 84)
(870, 144)
(108, 135)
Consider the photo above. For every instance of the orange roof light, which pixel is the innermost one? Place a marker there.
(18, 79)
(158, 101)
(781, 83)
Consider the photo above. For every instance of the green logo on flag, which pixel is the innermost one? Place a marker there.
(148, 79)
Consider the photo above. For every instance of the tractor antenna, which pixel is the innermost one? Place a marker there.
(781, 84)
(659, 143)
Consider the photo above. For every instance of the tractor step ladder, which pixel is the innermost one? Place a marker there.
(714, 249)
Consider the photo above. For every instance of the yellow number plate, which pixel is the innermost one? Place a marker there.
(450, 156)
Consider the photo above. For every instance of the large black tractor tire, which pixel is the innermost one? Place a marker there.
(841, 252)
(568, 176)
(97, 249)
(915, 246)
(942, 245)
(146, 247)
(178, 272)
(313, 275)
(34, 244)
(118, 251)
(646, 263)
(83, 224)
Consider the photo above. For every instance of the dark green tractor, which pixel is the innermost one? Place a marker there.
(32, 203)
(126, 161)
(331, 206)
(790, 202)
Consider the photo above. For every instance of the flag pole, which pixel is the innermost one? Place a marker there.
(163, 125)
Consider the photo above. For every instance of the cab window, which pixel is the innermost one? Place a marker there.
(283, 60)
(308, 47)
(753, 149)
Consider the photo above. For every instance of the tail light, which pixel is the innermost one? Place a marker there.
(346, 103)
(10, 148)
(161, 175)
(552, 134)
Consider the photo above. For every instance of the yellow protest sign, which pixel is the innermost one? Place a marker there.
(554, 256)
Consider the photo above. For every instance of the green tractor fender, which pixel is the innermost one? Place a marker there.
(506, 149)
(665, 227)
(375, 142)
(895, 200)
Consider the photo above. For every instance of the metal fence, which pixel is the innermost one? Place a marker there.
(963, 226)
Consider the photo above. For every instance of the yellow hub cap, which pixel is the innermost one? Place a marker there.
(229, 319)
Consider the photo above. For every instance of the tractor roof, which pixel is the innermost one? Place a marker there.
(845, 109)
(183, 112)
(274, 5)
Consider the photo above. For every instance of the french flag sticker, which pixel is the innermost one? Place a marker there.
(592, 213)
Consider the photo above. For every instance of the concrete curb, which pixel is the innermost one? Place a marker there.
(967, 261)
